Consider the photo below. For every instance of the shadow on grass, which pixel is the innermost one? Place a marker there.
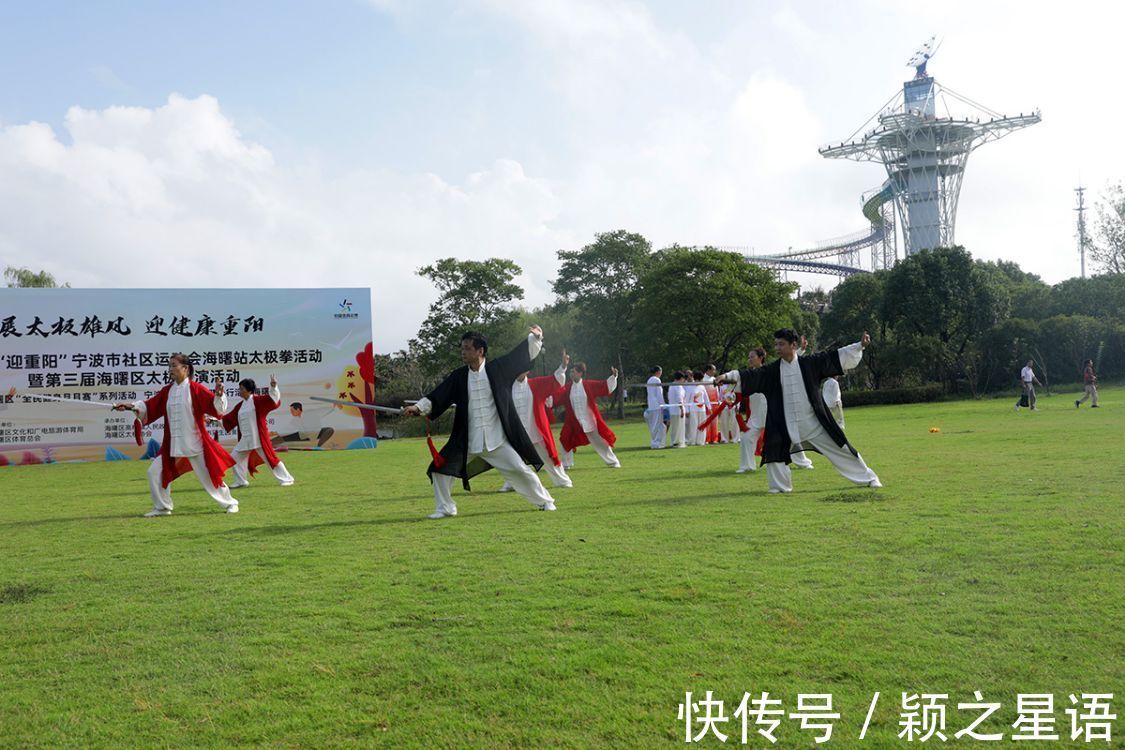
(854, 495)
(72, 519)
(461, 518)
(20, 593)
(756, 494)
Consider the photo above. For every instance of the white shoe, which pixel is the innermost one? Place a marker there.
(506, 487)
(441, 514)
(237, 485)
(779, 492)
(289, 483)
(158, 512)
(232, 508)
(741, 471)
(549, 505)
(566, 486)
(615, 466)
(874, 483)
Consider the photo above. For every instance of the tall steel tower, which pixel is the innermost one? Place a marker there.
(925, 151)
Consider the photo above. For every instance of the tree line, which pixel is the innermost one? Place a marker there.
(938, 317)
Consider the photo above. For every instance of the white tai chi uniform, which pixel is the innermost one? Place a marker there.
(524, 401)
(654, 414)
(831, 394)
(581, 407)
(676, 415)
(803, 426)
(251, 441)
(487, 441)
(728, 423)
(748, 441)
(693, 403)
(184, 442)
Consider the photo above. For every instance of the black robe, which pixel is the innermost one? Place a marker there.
(502, 372)
(767, 381)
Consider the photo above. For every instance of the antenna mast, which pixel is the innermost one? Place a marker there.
(1081, 209)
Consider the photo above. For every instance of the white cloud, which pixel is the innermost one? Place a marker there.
(175, 196)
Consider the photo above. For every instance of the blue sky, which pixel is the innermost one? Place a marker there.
(351, 141)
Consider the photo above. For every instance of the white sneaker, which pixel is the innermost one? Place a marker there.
(741, 471)
(441, 514)
(232, 508)
(549, 505)
(874, 483)
(158, 512)
(237, 485)
(506, 487)
(289, 483)
(566, 486)
(778, 492)
(615, 466)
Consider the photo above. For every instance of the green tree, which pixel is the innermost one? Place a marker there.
(601, 281)
(473, 295)
(857, 306)
(1098, 296)
(26, 278)
(942, 294)
(1108, 249)
(709, 306)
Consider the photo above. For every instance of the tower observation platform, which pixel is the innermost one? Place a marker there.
(923, 137)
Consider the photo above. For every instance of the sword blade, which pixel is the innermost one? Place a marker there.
(43, 397)
(369, 407)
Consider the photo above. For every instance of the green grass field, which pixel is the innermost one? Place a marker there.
(333, 614)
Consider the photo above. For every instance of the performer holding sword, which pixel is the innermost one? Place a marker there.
(487, 432)
(187, 446)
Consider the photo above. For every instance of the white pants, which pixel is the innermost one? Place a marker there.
(556, 473)
(691, 428)
(162, 496)
(656, 427)
(850, 467)
(242, 471)
(507, 461)
(728, 426)
(676, 429)
(748, 442)
(601, 447)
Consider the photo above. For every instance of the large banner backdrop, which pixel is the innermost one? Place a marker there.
(107, 345)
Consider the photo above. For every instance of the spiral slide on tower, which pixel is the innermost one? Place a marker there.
(846, 249)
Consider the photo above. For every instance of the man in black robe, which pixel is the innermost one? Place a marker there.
(487, 432)
(797, 418)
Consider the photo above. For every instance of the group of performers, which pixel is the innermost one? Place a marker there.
(801, 393)
(503, 420)
(186, 406)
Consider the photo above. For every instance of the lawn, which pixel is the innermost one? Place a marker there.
(333, 614)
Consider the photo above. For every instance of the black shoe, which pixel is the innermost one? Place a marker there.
(1095, 406)
(1077, 404)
